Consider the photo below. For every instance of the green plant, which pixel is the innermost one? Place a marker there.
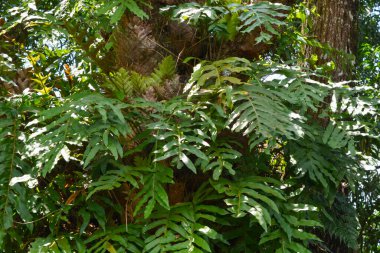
(226, 21)
(252, 155)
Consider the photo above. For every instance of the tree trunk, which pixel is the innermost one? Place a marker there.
(336, 26)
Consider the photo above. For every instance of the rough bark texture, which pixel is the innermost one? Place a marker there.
(337, 26)
(140, 44)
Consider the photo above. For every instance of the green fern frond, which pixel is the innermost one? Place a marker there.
(250, 196)
(261, 114)
(126, 83)
(15, 169)
(292, 234)
(175, 231)
(80, 118)
(114, 178)
(184, 227)
(335, 136)
(165, 70)
(221, 156)
(292, 83)
(193, 13)
(262, 14)
(216, 74)
(155, 178)
(115, 239)
(116, 9)
(184, 134)
(218, 19)
(313, 161)
(342, 222)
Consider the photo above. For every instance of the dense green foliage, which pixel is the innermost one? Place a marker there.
(270, 155)
(367, 190)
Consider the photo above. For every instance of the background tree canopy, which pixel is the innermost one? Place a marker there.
(189, 126)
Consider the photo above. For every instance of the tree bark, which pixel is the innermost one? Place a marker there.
(337, 26)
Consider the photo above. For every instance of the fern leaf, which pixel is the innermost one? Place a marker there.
(215, 74)
(182, 228)
(313, 161)
(247, 198)
(125, 83)
(165, 70)
(15, 168)
(342, 223)
(73, 127)
(335, 136)
(220, 157)
(114, 178)
(251, 16)
(260, 113)
(155, 178)
(180, 137)
(263, 14)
